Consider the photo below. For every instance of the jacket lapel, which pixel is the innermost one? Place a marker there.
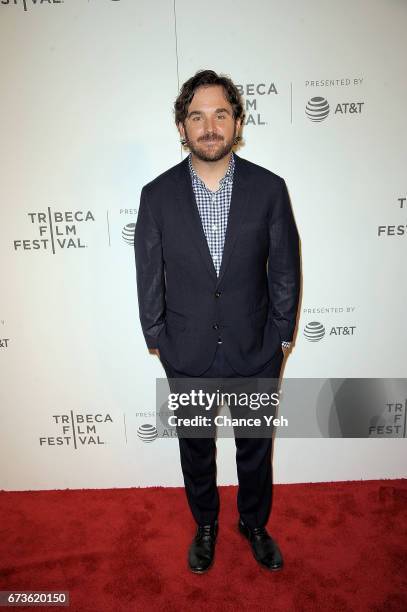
(238, 208)
(237, 211)
(191, 215)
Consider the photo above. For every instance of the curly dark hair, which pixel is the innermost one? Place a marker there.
(207, 77)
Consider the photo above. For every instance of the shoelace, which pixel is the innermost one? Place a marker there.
(205, 531)
(259, 531)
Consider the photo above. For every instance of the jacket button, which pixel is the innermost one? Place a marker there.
(216, 326)
(217, 294)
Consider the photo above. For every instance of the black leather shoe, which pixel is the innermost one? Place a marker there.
(265, 550)
(202, 549)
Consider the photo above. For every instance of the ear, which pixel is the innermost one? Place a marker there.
(181, 129)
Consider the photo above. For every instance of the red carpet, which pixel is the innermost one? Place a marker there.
(344, 544)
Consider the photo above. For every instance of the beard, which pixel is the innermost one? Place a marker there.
(218, 148)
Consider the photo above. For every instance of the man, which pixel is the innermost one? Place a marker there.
(218, 275)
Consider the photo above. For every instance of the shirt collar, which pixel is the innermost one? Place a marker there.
(227, 178)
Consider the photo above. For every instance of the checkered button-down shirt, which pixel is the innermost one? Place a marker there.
(213, 207)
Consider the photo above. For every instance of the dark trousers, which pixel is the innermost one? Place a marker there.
(253, 459)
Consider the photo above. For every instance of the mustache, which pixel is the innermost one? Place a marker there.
(209, 137)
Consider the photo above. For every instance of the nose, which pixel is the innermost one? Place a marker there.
(209, 124)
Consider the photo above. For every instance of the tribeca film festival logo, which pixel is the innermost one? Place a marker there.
(314, 331)
(391, 423)
(76, 430)
(318, 108)
(394, 230)
(248, 91)
(56, 231)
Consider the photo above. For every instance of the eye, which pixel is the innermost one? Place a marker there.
(221, 116)
(196, 118)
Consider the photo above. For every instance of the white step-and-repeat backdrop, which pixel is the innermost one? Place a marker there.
(87, 89)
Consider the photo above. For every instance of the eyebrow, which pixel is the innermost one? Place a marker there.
(218, 110)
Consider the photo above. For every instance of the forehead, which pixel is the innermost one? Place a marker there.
(208, 97)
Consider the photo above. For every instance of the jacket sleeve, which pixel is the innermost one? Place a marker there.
(283, 265)
(150, 272)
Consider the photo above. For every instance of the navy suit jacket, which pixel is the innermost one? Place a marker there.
(184, 307)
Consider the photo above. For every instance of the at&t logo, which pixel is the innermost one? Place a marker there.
(317, 108)
(315, 331)
(147, 433)
(128, 233)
